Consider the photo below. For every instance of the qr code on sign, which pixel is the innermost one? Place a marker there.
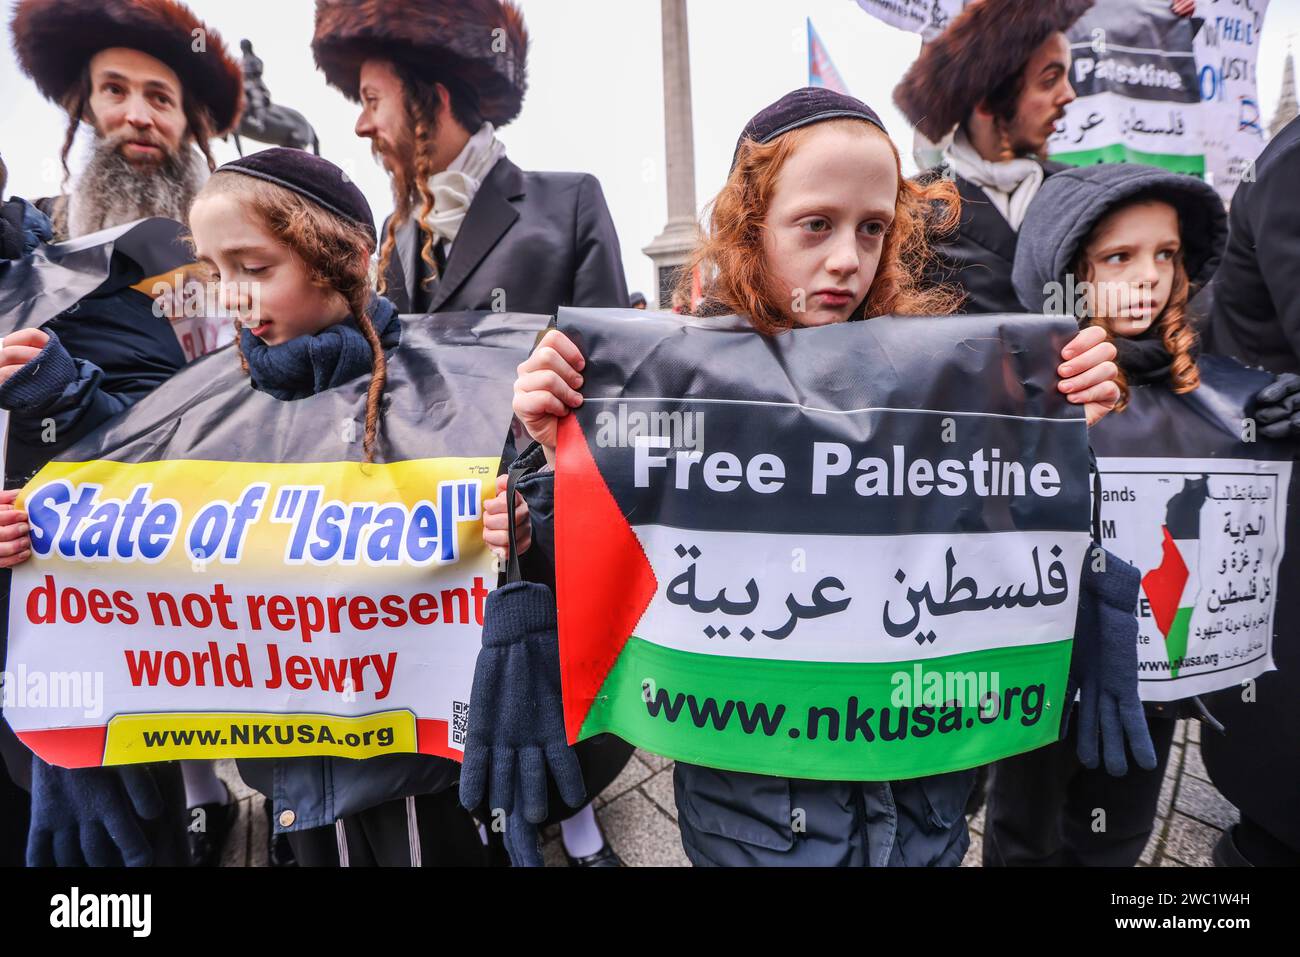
(459, 722)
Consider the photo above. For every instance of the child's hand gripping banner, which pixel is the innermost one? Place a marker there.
(847, 553)
(1195, 499)
(215, 573)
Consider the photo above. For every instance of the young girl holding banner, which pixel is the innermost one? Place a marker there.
(815, 225)
(290, 239)
(1139, 242)
(298, 228)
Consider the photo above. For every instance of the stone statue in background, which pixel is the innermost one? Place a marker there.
(268, 122)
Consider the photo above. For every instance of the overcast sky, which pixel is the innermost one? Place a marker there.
(595, 100)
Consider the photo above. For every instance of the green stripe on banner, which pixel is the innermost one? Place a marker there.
(833, 720)
(1119, 153)
(1176, 640)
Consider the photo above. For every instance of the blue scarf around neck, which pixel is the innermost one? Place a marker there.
(307, 365)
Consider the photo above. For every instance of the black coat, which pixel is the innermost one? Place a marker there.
(531, 242)
(1256, 313)
(978, 255)
(1256, 318)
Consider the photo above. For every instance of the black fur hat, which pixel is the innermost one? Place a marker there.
(481, 43)
(986, 43)
(54, 40)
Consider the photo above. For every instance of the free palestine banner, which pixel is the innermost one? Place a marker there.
(848, 552)
(1139, 97)
(1201, 509)
(216, 574)
(1153, 87)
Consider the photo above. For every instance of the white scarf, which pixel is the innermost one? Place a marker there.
(454, 188)
(1010, 185)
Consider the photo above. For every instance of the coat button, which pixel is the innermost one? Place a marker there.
(287, 818)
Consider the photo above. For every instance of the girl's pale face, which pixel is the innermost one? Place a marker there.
(262, 280)
(1131, 254)
(825, 228)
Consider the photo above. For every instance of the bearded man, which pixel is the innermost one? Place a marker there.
(154, 84)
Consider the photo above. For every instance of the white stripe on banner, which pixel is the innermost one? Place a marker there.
(908, 596)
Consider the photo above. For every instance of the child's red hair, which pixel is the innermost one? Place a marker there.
(732, 260)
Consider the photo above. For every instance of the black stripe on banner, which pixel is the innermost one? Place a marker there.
(896, 425)
(1209, 421)
(768, 468)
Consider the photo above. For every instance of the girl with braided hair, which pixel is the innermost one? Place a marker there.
(296, 272)
(1124, 247)
(290, 238)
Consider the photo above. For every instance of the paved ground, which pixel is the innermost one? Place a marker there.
(639, 816)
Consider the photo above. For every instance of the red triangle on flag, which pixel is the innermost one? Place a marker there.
(603, 579)
(1164, 585)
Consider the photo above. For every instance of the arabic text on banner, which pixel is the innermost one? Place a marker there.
(1153, 87)
(1203, 515)
(849, 552)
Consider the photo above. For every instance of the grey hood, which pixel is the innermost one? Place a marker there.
(1073, 201)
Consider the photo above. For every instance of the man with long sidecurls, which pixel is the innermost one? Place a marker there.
(154, 84)
(470, 230)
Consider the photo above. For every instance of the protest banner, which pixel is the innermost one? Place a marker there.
(149, 255)
(1133, 69)
(849, 552)
(1153, 87)
(1198, 503)
(926, 17)
(1232, 126)
(219, 575)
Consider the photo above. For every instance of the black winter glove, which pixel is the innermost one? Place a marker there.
(1278, 408)
(516, 713)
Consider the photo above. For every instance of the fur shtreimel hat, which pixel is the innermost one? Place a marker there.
(56, 39)
(985, 43)
(481, 43)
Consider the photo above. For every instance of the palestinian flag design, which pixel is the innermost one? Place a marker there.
(1172, 587)
(1202, 510)
(757, 575)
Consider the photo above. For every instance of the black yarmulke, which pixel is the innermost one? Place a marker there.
(311, 177)
(803, 107)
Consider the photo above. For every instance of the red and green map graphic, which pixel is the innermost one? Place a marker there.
(1172, 586)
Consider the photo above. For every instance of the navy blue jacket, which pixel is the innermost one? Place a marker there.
(112, 351)
(120, 352)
